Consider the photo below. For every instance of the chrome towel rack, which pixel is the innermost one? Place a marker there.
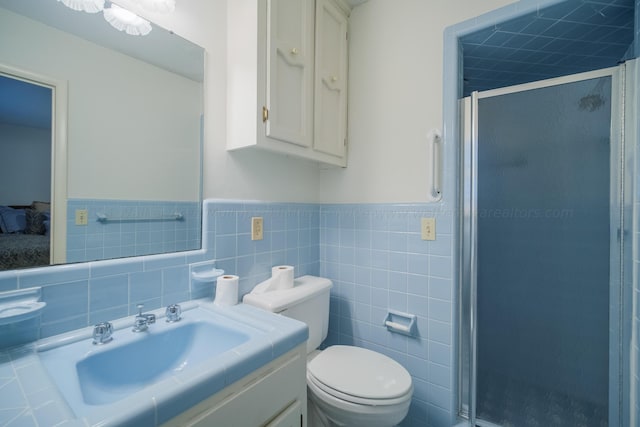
(173, 217)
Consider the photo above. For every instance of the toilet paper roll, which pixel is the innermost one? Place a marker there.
(281, 277)
(227, 290)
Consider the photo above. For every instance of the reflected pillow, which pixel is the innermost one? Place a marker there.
(41, 206)
(35, 221)
(3, 227)
(13, 220)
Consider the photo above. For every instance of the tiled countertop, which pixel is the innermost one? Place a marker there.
(29, 397)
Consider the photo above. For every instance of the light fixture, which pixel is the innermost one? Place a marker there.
(89, 6)
(162, 6)
(123, 20)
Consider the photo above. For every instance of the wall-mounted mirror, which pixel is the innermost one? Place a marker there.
(122, 157)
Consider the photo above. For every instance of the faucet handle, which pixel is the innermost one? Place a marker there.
(102, 333)
(173, 313)
(139, 307)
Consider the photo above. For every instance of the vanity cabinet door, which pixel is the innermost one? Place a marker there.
(290, 59)
(330, 121)
(290, 417)
(274, 395)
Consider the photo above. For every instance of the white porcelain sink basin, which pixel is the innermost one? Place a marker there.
(165, 369)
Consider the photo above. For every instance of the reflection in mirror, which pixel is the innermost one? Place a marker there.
(111, 166)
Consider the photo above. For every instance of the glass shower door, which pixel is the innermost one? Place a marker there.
(543, 255)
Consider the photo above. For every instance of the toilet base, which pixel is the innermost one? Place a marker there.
(319, 414)
(315, 417)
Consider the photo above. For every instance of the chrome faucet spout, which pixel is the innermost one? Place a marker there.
(102, 333)
(142, 321)
(173, 313)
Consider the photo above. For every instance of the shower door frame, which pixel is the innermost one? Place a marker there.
(621, 180)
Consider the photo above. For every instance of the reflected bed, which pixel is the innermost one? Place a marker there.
(23, 250)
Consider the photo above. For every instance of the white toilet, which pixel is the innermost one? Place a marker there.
(347, 386)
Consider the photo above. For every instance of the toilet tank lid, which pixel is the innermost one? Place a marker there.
(304, 287)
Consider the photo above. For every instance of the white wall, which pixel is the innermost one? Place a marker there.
(395, 98)
(241, 174)
(25, 164)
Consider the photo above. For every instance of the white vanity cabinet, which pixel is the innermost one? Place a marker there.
(272, 396)
(287, 77)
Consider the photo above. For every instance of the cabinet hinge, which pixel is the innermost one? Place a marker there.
(265, 114)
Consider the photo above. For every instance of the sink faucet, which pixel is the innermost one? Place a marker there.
(142, 321)
(102, 333)
(173, 313)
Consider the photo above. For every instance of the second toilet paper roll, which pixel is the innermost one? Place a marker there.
(281, 277)
(227, 290)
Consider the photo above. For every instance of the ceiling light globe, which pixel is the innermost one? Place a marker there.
(123, 20)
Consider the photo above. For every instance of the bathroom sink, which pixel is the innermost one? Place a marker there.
(116, 372)
(203, 345)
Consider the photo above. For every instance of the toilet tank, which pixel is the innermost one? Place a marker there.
(307, 301)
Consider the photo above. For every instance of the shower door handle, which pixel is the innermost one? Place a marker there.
(620, 234)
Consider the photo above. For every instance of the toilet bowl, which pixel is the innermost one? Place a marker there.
(346, 385)
(353, 386)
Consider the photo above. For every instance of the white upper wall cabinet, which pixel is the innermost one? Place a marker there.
(287, 74)
(330, 120)
(289, 98)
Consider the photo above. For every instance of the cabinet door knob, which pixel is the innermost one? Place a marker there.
(294, 51)
(334, 78)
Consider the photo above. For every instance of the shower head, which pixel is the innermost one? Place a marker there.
(595, 99)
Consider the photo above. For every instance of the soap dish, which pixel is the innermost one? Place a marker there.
(19, 311)
(209, 275)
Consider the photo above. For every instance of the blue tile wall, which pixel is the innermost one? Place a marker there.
(373, 253)
(83, 294)
(377, 261)
(107, 240)
(291, 237)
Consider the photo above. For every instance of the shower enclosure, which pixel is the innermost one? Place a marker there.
(542, 253)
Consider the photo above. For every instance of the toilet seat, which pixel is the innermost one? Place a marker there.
(360, 376)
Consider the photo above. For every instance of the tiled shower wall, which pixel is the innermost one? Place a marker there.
(377, 261)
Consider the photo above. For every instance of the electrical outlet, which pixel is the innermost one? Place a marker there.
(256, 228)
(82, 217)
(428, 228)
